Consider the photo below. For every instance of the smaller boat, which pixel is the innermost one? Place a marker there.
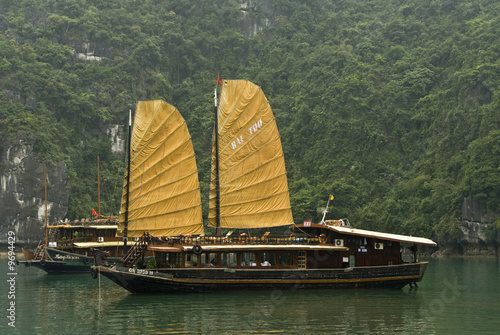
(69, 247)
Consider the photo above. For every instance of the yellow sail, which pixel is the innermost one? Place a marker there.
(253, 181)
(164, 192)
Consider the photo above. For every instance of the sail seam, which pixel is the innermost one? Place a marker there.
(136, 176)
(157, 111)
(162, 200)
(256, 184)
(167, 184)
(269, 124)
(136, 154)
(257, 200)
(251, 214)
(278, 156)
(234, 106)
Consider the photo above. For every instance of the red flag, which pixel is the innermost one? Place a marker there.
(94, 212)
(219, 82)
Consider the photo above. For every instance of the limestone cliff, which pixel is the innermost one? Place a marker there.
(256, 15)
(477, 235)
(22, 190)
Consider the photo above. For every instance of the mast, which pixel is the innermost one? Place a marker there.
(217, 181)
(125, 231)
(46, 214)
(98, 188)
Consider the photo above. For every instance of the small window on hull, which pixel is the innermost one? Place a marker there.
(248, 259)
(208, 260)
(285, 259)
(268, 259)
(191, 260)
(228, 259)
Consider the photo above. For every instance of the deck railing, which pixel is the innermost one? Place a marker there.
(243, 239)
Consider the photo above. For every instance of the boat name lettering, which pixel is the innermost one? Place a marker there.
(256, 126)
(65, 257)
(238, 141)
(141, 272)
(252, 130)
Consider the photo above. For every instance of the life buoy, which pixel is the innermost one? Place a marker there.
(42, 262)
(85, 260)
(188, 238)
(93, 273)
(243, 238)
(197, 249)
(322, 238)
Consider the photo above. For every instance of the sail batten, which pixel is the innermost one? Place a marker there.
(164, 192)
(148, 157)
(155, 157)
(177, 165)
(229, 190)
(281, 195)
(153, 132)
(252, 174)
(156, 203)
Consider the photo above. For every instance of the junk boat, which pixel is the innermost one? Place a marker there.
(249, 193)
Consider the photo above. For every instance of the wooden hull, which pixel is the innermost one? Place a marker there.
(62, 262)
(220, 279)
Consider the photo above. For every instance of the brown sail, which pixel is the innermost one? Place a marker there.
(253, 181)
(164, 192)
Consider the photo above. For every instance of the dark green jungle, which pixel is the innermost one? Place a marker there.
(391, 106)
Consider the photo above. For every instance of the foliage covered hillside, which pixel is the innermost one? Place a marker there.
(392, 106)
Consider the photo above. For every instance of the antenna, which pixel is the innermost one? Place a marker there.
(326, 209)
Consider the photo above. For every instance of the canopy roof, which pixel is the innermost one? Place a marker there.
(378, 235)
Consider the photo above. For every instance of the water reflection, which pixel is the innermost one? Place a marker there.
(271, 312)
(459, 296)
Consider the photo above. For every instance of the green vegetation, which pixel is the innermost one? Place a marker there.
(393, 107)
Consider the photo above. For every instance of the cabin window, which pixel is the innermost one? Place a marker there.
(228, 259)
(248, 259)
(285, 259)
(191, 260)
(169, 260)
(208, 260)
(268, 259)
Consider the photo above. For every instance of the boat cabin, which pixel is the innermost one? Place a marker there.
(318, 246)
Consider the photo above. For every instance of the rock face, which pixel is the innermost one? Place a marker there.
(256, 15)
(116, 135)
(477, 233)
(22, 191)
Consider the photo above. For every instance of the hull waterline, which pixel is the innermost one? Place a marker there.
(213, 280)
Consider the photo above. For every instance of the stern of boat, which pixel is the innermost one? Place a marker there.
(422, 268)
(28, 255)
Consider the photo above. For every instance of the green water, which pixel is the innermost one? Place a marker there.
(457, 296)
